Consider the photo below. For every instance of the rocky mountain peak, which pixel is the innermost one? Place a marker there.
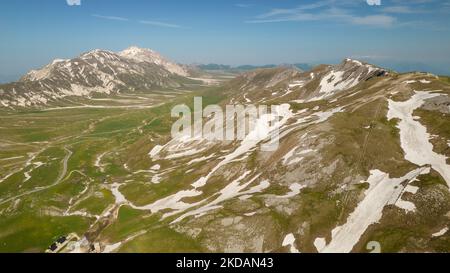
(151, 56)
(96, 71)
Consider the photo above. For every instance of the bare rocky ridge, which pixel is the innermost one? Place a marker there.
(285, 83)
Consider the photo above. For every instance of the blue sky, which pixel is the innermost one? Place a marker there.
(386, 32)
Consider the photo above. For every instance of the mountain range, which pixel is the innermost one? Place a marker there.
(362, 162)
(97, 71)
(244, 68)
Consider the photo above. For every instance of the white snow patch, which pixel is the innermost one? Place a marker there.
(289, 240)
(185, 153)
(4, 178)
(410, 81)
(440, 233)
(354, 61)
(296, 84)
(382, 191)
(406, 205)
(232, 190)
(27, 176)
(11, 158)
(98, 161)
(414, 138)
(323, 116)
(156, 179)
(334, 82)
(261, 131)
(112, 248)
(195, 160)
(120, 198)
(320, 244)
(155, 151)
(156, 167)
(295, 190)
(288, 156)
(207, 81)
(292, 157)
(411, 189)
(38, 164)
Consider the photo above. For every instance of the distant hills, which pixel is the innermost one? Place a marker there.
(398, 66)
(244, 68)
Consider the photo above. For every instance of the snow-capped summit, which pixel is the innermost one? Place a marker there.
(148, 55)
(360, 64)
(357, 62)
(141, 54)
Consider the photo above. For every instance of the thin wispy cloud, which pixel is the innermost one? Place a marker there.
(405, 7)
(323, 11)
(374, 20)
(374, 2)
(400, 9)
(370, 57)
(144, 22)
(383, 14)
(73, 2)
(297, 10)
(240, 5)
(160, 24)
(114, 18)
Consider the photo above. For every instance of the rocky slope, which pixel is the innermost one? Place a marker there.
(355, 169)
